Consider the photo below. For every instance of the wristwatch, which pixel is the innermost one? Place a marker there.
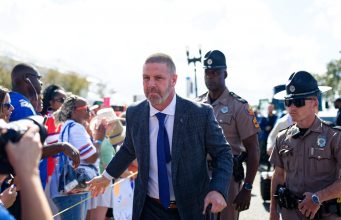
(315, 199)
(247, 186)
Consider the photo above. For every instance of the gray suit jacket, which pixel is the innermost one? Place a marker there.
(196, 133)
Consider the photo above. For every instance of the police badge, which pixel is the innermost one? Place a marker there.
(321, 141)
(224, 109)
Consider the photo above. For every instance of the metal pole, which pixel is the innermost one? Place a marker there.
(194, 60)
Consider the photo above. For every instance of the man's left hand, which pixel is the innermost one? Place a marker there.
(242, 201)
(307, 207)
(216, 199)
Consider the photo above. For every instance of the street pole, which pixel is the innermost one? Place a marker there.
(194, 60)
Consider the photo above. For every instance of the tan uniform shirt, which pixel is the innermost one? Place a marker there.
(312, 161)
(235, 117)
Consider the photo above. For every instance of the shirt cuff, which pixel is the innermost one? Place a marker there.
(107, 175)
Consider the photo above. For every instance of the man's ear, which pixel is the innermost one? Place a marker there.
(225, 74)
(174, 79)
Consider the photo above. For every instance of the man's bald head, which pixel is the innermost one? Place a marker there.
(26, 80)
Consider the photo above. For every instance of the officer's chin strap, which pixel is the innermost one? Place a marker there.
(80, 202)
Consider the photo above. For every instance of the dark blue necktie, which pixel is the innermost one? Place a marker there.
(163, 157)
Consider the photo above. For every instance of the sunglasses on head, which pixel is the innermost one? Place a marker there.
(6, 105)
(61, 100)
(84, 107)
(297, 102)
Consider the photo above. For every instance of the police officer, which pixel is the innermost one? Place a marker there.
(307, 157)
(240, 127)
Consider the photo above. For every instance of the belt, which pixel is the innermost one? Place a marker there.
(172, 204)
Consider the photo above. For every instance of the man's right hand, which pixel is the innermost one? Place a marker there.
(98, 184)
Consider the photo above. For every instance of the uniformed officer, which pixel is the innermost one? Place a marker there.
(240, 127)
(307, 157)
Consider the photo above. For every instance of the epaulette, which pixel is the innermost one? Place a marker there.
(234, 95)
(201, 97)
(328, 123)
(338, 127)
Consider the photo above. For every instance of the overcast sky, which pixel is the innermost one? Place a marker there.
(264, 40)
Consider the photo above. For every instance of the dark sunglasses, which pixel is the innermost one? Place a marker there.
(35, 75)
(7, 105)
(297, 102)
(61, 100)
(85, 107)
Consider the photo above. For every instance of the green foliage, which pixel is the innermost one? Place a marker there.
(332, 78)
(71, 81)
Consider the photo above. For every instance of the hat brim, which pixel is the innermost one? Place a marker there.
(214, 67)
(283, 94)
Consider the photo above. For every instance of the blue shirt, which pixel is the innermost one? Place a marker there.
(4, 214)
(23, 109)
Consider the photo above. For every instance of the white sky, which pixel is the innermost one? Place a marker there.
(264, 40)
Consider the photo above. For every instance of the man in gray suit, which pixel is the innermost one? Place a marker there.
(171, 137)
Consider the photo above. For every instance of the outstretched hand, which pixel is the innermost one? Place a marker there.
(98, 184)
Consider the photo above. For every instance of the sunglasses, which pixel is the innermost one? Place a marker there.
(84, 107)
(297, 102)
(7, 105)
(61, 100)
(34, 75)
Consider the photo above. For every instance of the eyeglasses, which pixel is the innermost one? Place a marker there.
(84, 107)
(297, 102)
(61, 100)
(35, 75)
(7, 105)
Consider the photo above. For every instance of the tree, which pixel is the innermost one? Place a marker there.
(332, 78)
(70, 81)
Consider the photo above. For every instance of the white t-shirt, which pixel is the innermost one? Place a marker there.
(75, 134)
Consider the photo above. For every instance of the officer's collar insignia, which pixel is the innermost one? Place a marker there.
(321, 141)
(224, 109)
(209, 61)
(292, 88)
(295, 131)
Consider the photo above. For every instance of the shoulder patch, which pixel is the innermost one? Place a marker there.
(234, 95)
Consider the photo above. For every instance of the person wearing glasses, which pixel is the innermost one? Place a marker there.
(307, 157)
(26, 91)
(74, 114)
(6, 108)
(26, 100)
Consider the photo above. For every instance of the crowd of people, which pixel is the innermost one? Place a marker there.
(195, 158)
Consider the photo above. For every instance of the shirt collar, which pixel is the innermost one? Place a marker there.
(169, 110)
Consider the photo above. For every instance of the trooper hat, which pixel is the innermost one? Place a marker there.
(300, 85)
(214, 59)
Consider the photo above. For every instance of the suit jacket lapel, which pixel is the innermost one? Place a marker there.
(180, 120)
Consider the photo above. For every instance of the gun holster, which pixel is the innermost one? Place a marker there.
(285, 198)
(238, 169)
